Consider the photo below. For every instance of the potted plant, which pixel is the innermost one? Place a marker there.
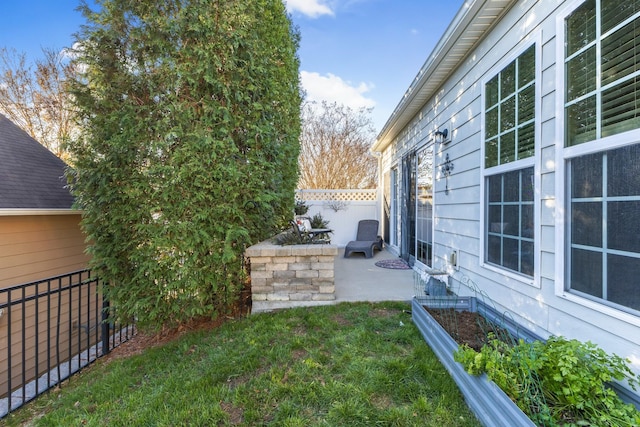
(300, 208)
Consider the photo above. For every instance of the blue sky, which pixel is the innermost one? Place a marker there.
(362, 53)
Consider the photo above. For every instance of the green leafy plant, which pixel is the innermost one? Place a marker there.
(557, 382)
(187, 154)
(301, 207)
(317, 221)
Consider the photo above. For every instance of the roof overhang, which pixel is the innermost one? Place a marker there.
(470, 25)
(38, 212)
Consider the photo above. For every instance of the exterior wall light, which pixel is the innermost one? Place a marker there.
(441, 136)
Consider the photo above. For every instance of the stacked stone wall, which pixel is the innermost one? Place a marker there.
(295, 274)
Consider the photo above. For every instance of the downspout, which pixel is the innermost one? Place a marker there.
(378, 156)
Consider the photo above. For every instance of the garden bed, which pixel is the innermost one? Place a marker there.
(478, 326)
(465, 327)
(490, 404)
(289, 276)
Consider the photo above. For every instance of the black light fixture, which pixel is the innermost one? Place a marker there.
(441, 136)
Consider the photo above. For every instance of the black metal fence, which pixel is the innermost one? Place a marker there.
(51, 329)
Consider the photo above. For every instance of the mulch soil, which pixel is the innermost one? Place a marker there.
(149, 339)
(154, 338)
(464, 327)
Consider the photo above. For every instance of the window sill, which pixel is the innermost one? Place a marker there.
(525, 280)
(600, 308)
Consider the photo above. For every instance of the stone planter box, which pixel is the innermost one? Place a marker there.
(289, 276)
(490, 404)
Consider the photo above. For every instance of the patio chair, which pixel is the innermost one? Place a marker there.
(300, 229)
(367, 239)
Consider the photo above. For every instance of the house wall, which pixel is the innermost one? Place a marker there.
(539, 304)
(33, 247)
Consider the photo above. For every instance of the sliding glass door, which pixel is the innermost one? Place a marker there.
(424, 206)
(408, 210)
(417, 209)
(395, 203)
(391, 218)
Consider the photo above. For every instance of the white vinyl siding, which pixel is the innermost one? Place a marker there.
(543, 302)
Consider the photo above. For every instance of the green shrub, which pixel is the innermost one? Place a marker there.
(301, 207)
(558, 382)
(318, 222)
(187, 154)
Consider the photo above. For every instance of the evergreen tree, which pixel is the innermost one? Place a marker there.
(190, 118)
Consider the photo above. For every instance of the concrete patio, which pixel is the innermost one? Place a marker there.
(358, 279)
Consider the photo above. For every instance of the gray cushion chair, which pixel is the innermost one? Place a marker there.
(367, 239)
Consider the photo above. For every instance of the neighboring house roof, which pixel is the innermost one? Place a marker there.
(472, 22)
(31, 177)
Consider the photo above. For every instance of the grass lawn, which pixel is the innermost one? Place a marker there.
(354, 364)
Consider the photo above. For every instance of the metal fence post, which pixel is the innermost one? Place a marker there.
(106, 348)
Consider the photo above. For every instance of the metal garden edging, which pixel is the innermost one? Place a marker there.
(490, 404)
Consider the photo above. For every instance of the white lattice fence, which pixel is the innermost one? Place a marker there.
(337, 195)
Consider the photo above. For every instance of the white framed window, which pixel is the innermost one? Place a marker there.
(510, 219)
(509, 166)
(602, 70)
(600, 157)
(509, 114)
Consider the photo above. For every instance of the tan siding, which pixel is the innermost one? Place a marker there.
(36, 247)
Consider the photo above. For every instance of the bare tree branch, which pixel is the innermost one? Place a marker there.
(35, 97)
(334, 148)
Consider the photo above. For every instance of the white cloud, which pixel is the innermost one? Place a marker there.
(73, 51)
(332, 88)
(311, 8)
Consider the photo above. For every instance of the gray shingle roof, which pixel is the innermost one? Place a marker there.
(31, 177)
